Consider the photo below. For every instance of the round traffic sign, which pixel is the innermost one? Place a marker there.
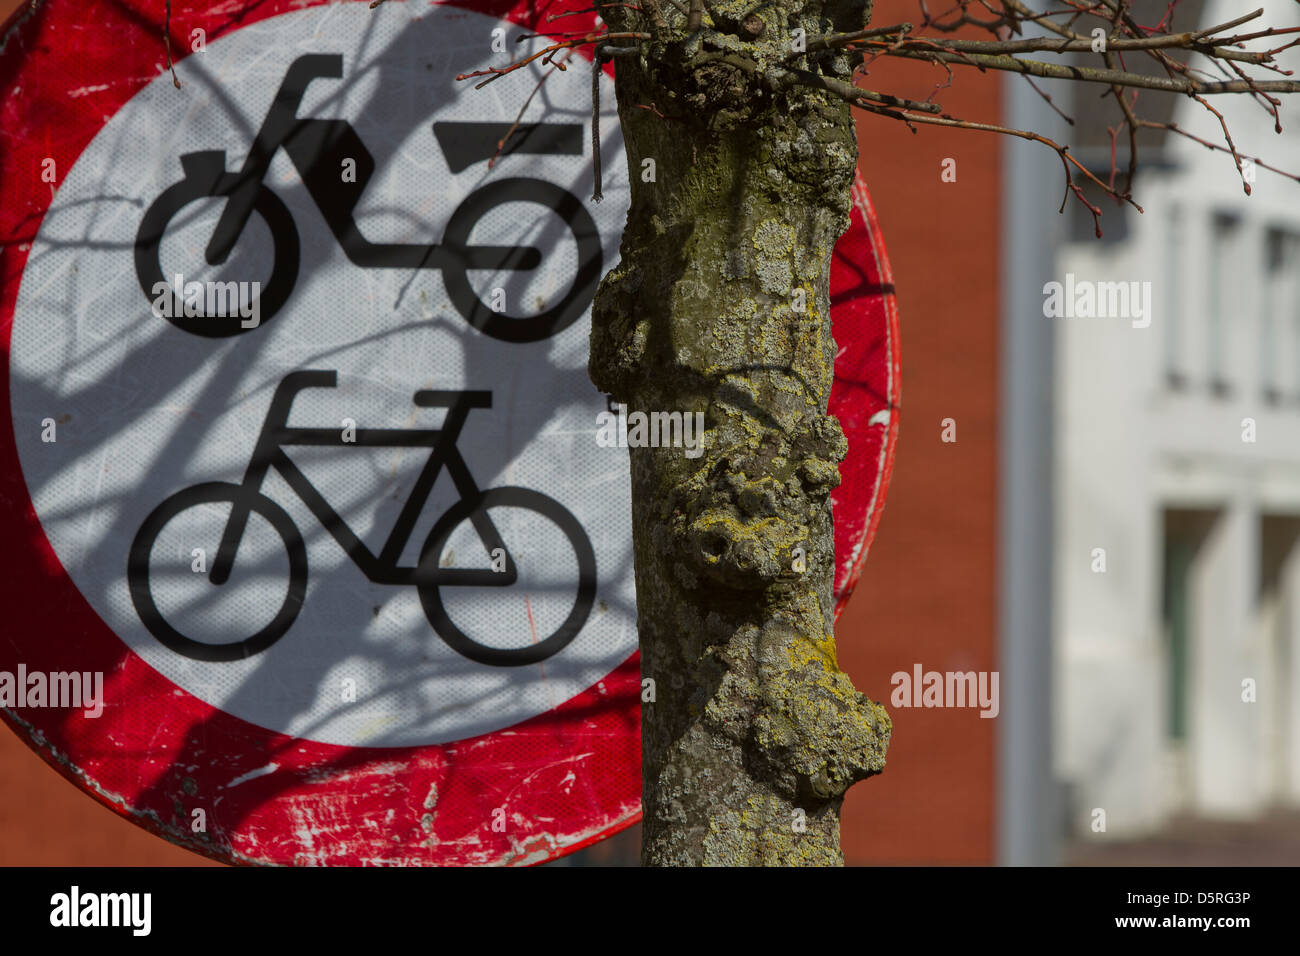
(315, 556)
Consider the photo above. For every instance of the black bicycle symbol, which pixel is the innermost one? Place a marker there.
(428, 576)
(318, 148)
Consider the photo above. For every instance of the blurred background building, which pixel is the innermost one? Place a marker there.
(1177, 453)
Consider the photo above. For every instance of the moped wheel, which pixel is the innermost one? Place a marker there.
(497, 611)
(141, 585)
(206, 177)
(504, 325)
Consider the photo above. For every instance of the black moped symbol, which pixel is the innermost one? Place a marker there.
(318, 148)
(427, 576)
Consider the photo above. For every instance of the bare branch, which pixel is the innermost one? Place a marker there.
(834, 40)
(544, 54)
(1062, 71)
(1005, 20)
(1067, 160)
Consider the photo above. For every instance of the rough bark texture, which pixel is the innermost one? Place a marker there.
(754, 734)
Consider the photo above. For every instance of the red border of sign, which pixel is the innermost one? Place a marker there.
(167, 750)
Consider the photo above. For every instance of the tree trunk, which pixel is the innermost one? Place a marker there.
(721, 305)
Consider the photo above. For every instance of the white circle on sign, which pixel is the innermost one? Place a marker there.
(164, 432)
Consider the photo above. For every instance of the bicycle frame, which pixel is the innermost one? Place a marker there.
(382, 568)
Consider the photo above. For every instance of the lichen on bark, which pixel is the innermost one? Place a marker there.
(721, 304)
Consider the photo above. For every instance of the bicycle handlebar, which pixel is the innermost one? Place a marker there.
(295, 382)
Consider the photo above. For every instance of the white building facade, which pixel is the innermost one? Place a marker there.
(1176, 557)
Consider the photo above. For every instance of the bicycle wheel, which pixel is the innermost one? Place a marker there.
(205, 177)
(138, 573)
(503, 325)
(583, 589)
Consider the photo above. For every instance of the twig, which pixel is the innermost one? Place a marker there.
(597, 192)
(167, 42)
(501, 144)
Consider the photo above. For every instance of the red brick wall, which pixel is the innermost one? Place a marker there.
(927, 591)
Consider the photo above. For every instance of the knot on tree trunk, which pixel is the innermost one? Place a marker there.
(785, 701)
(747, 518)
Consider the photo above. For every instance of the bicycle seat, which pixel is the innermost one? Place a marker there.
(445, 398)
